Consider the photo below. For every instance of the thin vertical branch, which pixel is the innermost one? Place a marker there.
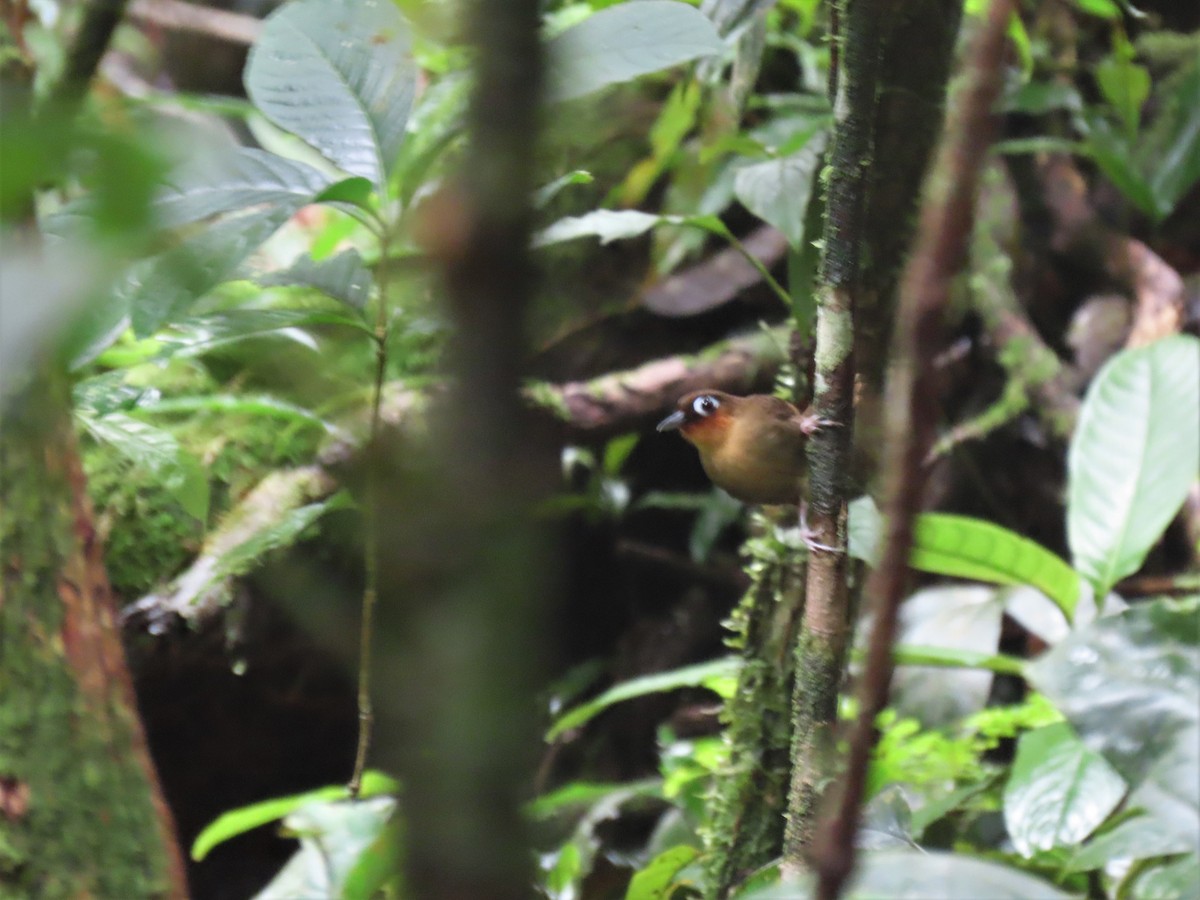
(821, 646)
(941, 251)
(100, 21)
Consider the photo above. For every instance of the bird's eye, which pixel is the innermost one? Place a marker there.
(705, 405)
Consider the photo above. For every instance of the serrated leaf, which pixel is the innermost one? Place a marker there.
(622, 42)
(715, 675)
(159, 289)
(1130, 686)
(1134, 455)
(778, 190)
(158, 452)
(233, 181)
(339, 74)
(963, 547)
(1058, 792)
(343, 277)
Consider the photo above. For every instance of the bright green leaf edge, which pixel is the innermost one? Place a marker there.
(238, 821)
(964, 547)
(715, 675)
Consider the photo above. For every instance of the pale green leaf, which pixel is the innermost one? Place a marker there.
(1134, 455)
(778, 190)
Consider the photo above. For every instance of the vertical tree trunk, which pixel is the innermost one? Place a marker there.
(81, 813)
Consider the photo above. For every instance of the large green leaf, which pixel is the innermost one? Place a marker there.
(1130, 686)
(622, 42)
(236, 180)
(159, 289)
(777, 191)
(964, 547)
(917, 875)
(340, 75)
(1059, 791)
(1134, 455)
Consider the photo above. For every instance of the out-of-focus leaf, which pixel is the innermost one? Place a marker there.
(1178, 878)
(960, 617)
(1143, 837)
(1133, 457)
(778, 190)
(719, 676)
(916, 875)
(200, 334)
(158, 452)
(1125, 86)
(340, 75)
(159, 289)
(607, 224)
(1170, 151)
(235, 180)
(238, 821)
(378, 872)
(333, 835)
(1115, 157)
(656, 880)
(1059, 791)
(1130, 686)
(586, 793)
(343, 277)
(622, 42)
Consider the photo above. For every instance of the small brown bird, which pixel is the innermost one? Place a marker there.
(752, 447)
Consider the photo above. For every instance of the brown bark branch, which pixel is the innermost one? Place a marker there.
(912, 403)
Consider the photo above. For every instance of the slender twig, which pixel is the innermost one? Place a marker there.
(912, 397)
(366, 715)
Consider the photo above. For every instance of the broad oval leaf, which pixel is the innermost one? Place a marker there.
(339, 74)
(963, 547)
(622, 42)
(343, 277)
(777, 191)
(1134, 455)
(1130, 686)
(236, 180)
(1059, 791)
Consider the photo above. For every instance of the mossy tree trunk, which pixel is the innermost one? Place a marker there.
(81, 814)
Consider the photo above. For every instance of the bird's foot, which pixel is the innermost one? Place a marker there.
(809, 535)
(811, 422)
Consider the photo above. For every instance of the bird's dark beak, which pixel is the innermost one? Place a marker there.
(671, 422)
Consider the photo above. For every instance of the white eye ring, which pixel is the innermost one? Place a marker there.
(705, 405)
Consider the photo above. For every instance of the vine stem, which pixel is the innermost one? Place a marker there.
(366, 714)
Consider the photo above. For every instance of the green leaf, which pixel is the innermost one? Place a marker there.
(1134, 455)
(355, 191)
(719, 676)
(200, 334)
(1115, 157)
(657, 880)
(343, 277)
(282, 532)
(957, 618)
(1125, 86)
(334, 837)
(159, 289)
(1179, 878)
(1130, 686)
(157, 451)
(607, 224)
(1170, 151)
(585, 793)
(778, 190)
(340, 75)
(1143, 837)
(916, 875)
(238, 821)
(378, 874)
(622, 42)
(964, 547)
(1059, 791)
(236, 180)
